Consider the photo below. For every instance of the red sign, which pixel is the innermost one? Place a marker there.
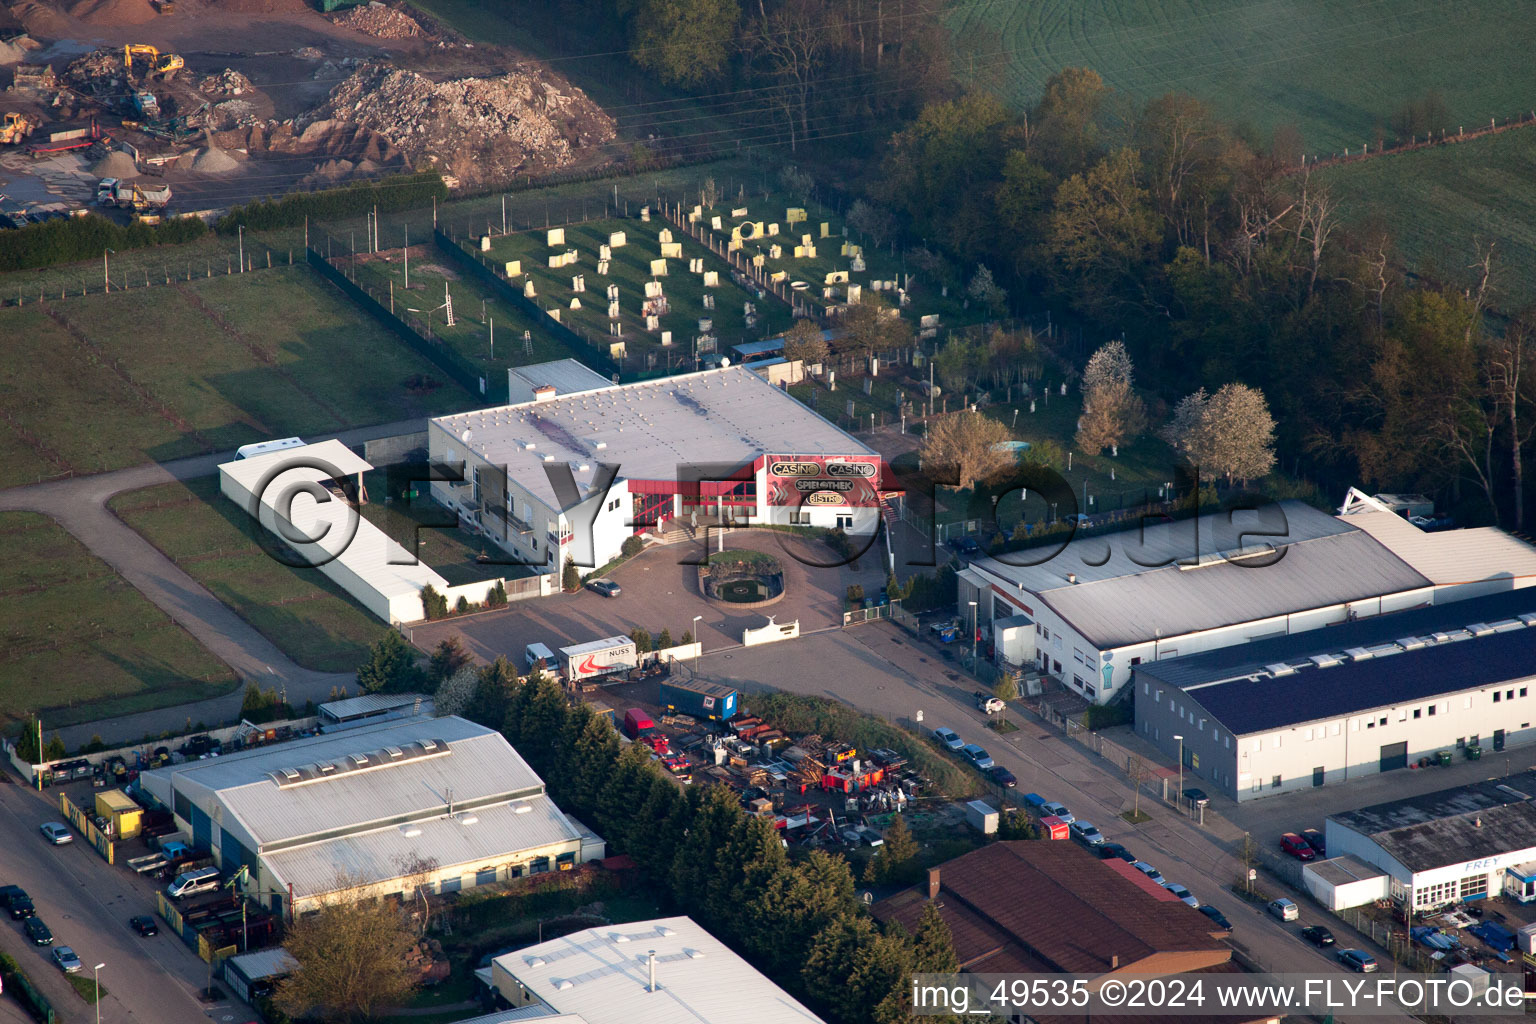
(798, 480)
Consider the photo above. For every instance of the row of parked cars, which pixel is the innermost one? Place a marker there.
(977, 755)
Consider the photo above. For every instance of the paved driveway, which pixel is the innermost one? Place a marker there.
(661, 591)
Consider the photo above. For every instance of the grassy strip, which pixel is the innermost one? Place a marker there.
(86, 988)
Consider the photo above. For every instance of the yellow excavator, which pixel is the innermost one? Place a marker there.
(14, 128)
(159, 64)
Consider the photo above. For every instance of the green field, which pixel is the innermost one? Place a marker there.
(630, 270)
(80, 643)
(212, 540)
(104, 381)
(1336, 69)
(1441, 205)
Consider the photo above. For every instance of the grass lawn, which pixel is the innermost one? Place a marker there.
(105, 381)
(87, 987)
(80, 643)
(1440, 205)
(209, 537)
(630, 270)
(1337, 69)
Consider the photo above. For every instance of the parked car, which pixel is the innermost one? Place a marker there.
(56, 833)
(1357, 960)
(38, 932)
(1315, 839)
(1085, 833)
(988, 703)
(144, 925)
(858, 835)
(1183, 894)
(1196, 797)
(1297, 847)
(977, 755)
(966, 546)
(948, 738)
(1109, 851)
(17, 902)
(1284, 909)
(607, 588)
(1317, 935)
(1217, 917)
(1150, 871)
(1002, 776)
(1057, 809)
(66, 959)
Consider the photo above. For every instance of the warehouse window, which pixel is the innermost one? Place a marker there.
(1382, 720)
(1509, 694)
(1474, 888)
(1522, 691)
(1307, 735)
(1275, 782)
(1370, 724)
(1432, 711)
(1417, 712)
(1337, 728)
(1496, 696)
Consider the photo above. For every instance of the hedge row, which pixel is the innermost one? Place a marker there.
(82, 238)
(397, 192)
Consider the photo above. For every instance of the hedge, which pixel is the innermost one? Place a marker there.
(396, 192)
(82, 238)
(21, 988)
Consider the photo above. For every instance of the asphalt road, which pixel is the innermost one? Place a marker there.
(876, 668)
(87, 903)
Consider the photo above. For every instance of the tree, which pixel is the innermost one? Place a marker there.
(797, 184)
(783, 918)
(1138, 771)
(664, 639)
(570, 578)
(1065, 133)
(804, 341)
(893, 859)
(455, 693)
(871, 327)
(1112, 415)
(1230, 432)
(1016, 824)
(447, 658)
(493, 694)
(54, 751)
(351, 959)
(1104, 235)
(29, 742)
(868, 220)
(433, 604)
(684, 42)
(1006, 688)
(1110, 364)
(984, 290)
(933, 950)
(965, 446)
(391, 666)
(642, 638)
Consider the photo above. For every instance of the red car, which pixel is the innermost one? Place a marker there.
(1296, 846)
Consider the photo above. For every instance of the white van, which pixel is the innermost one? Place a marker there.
(535, 652)
(193, 882)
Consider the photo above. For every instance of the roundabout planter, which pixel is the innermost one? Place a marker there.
(742, 579)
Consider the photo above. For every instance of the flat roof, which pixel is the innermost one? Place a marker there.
(602, 975)
(1465, 823)
(1343, 870)
(653, 430)
(1452, 556)
(371, 704)
(1130, 587)
(1259, 687)
(566, 376)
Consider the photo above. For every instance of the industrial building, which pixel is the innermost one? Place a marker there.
(556, 378)
(573, 475)
(1052, 907)
(1461, 844)
(429, 804)
(649, 972)
(1352, 700)
(1102, 605)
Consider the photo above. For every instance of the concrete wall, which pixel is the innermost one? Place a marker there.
(1347, 747)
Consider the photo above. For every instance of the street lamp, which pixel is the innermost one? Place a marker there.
(1180, 795)
(973, 635)
(696, 639)
(97, 977)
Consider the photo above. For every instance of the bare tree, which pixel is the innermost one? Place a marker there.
(968, 444)
(1507, 360)
(804, 341)
(1138, 771)
(416, 872)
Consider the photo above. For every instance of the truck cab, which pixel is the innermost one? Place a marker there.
(106, 192)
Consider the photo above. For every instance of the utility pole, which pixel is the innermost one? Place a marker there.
(240, 235)
(407, 257)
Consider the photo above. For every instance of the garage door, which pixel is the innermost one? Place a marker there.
(1394, 755)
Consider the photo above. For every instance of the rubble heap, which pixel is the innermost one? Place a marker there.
(479, 129)
(379, 21)
(101, 71)
(228, 82)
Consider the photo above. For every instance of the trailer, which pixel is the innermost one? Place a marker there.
(598, 658)
(64, 140)
(712, 702)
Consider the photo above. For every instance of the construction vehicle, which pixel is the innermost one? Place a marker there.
(166, 6)
(62, 140)
(159, 64)
(145, 103)
(14, 128)
(127, 195)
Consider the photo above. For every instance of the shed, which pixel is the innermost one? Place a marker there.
(125, 815)
(251, 975)
(1014, 639)
(1475, 976)
(1342, 882)
(1526, 939)
(981, 816)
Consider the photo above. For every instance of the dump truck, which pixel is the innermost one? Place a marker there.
(15, 128)
(128, 195)
(598, 658)
(713, 702)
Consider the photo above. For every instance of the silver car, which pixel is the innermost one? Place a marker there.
(1183, 894)
(56, 833)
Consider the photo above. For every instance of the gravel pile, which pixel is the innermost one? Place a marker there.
(478, 129)
(380, 21)
(228, 82)
(115, 164)
(214, 160)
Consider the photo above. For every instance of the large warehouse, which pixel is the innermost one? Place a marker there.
(1353, 700)
(718, 442)
(371, 810)
(1103, 605)
(1466, 843)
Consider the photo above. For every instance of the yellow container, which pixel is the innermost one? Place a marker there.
(126, 816)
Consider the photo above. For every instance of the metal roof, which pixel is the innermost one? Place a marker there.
(1453, 556)
(263, 963)
(1464, 823)
(1174, 578)
(566, 376)
(1343, 870)
(372, 703)
(653, 430)
(601, 974)
(479, 765)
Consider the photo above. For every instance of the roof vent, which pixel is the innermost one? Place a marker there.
(1359, 654)
(1505, 625)
(535, 961)
(1411, 643)
(291, 774)
(664, 930)
(1326, 660)
(410, 831)
(618, 937)
(564, 983)
(1511, 791)
(325, 769)
(1529, 618)
(429, 744)
(1279, 668)
(694, 954)
(469, 819)
(394, 752)
(1071, 577)
(1479, 629)
(521, 809)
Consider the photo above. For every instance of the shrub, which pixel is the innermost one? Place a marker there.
(83, 238)
(462, 605)
(663, 639)
(1105, 716)
(642, 639)
(632, 546)
(497, 596)
(433, 603)
(397, 192)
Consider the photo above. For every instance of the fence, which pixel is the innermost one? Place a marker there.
(25, 992)
(159, 280)
(87, 828)
(858, 615)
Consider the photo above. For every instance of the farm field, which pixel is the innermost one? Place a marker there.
(171, 371)
(213, 541)
(80, 643)
(630, 270)
(1441, 205)
(1336, 69)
